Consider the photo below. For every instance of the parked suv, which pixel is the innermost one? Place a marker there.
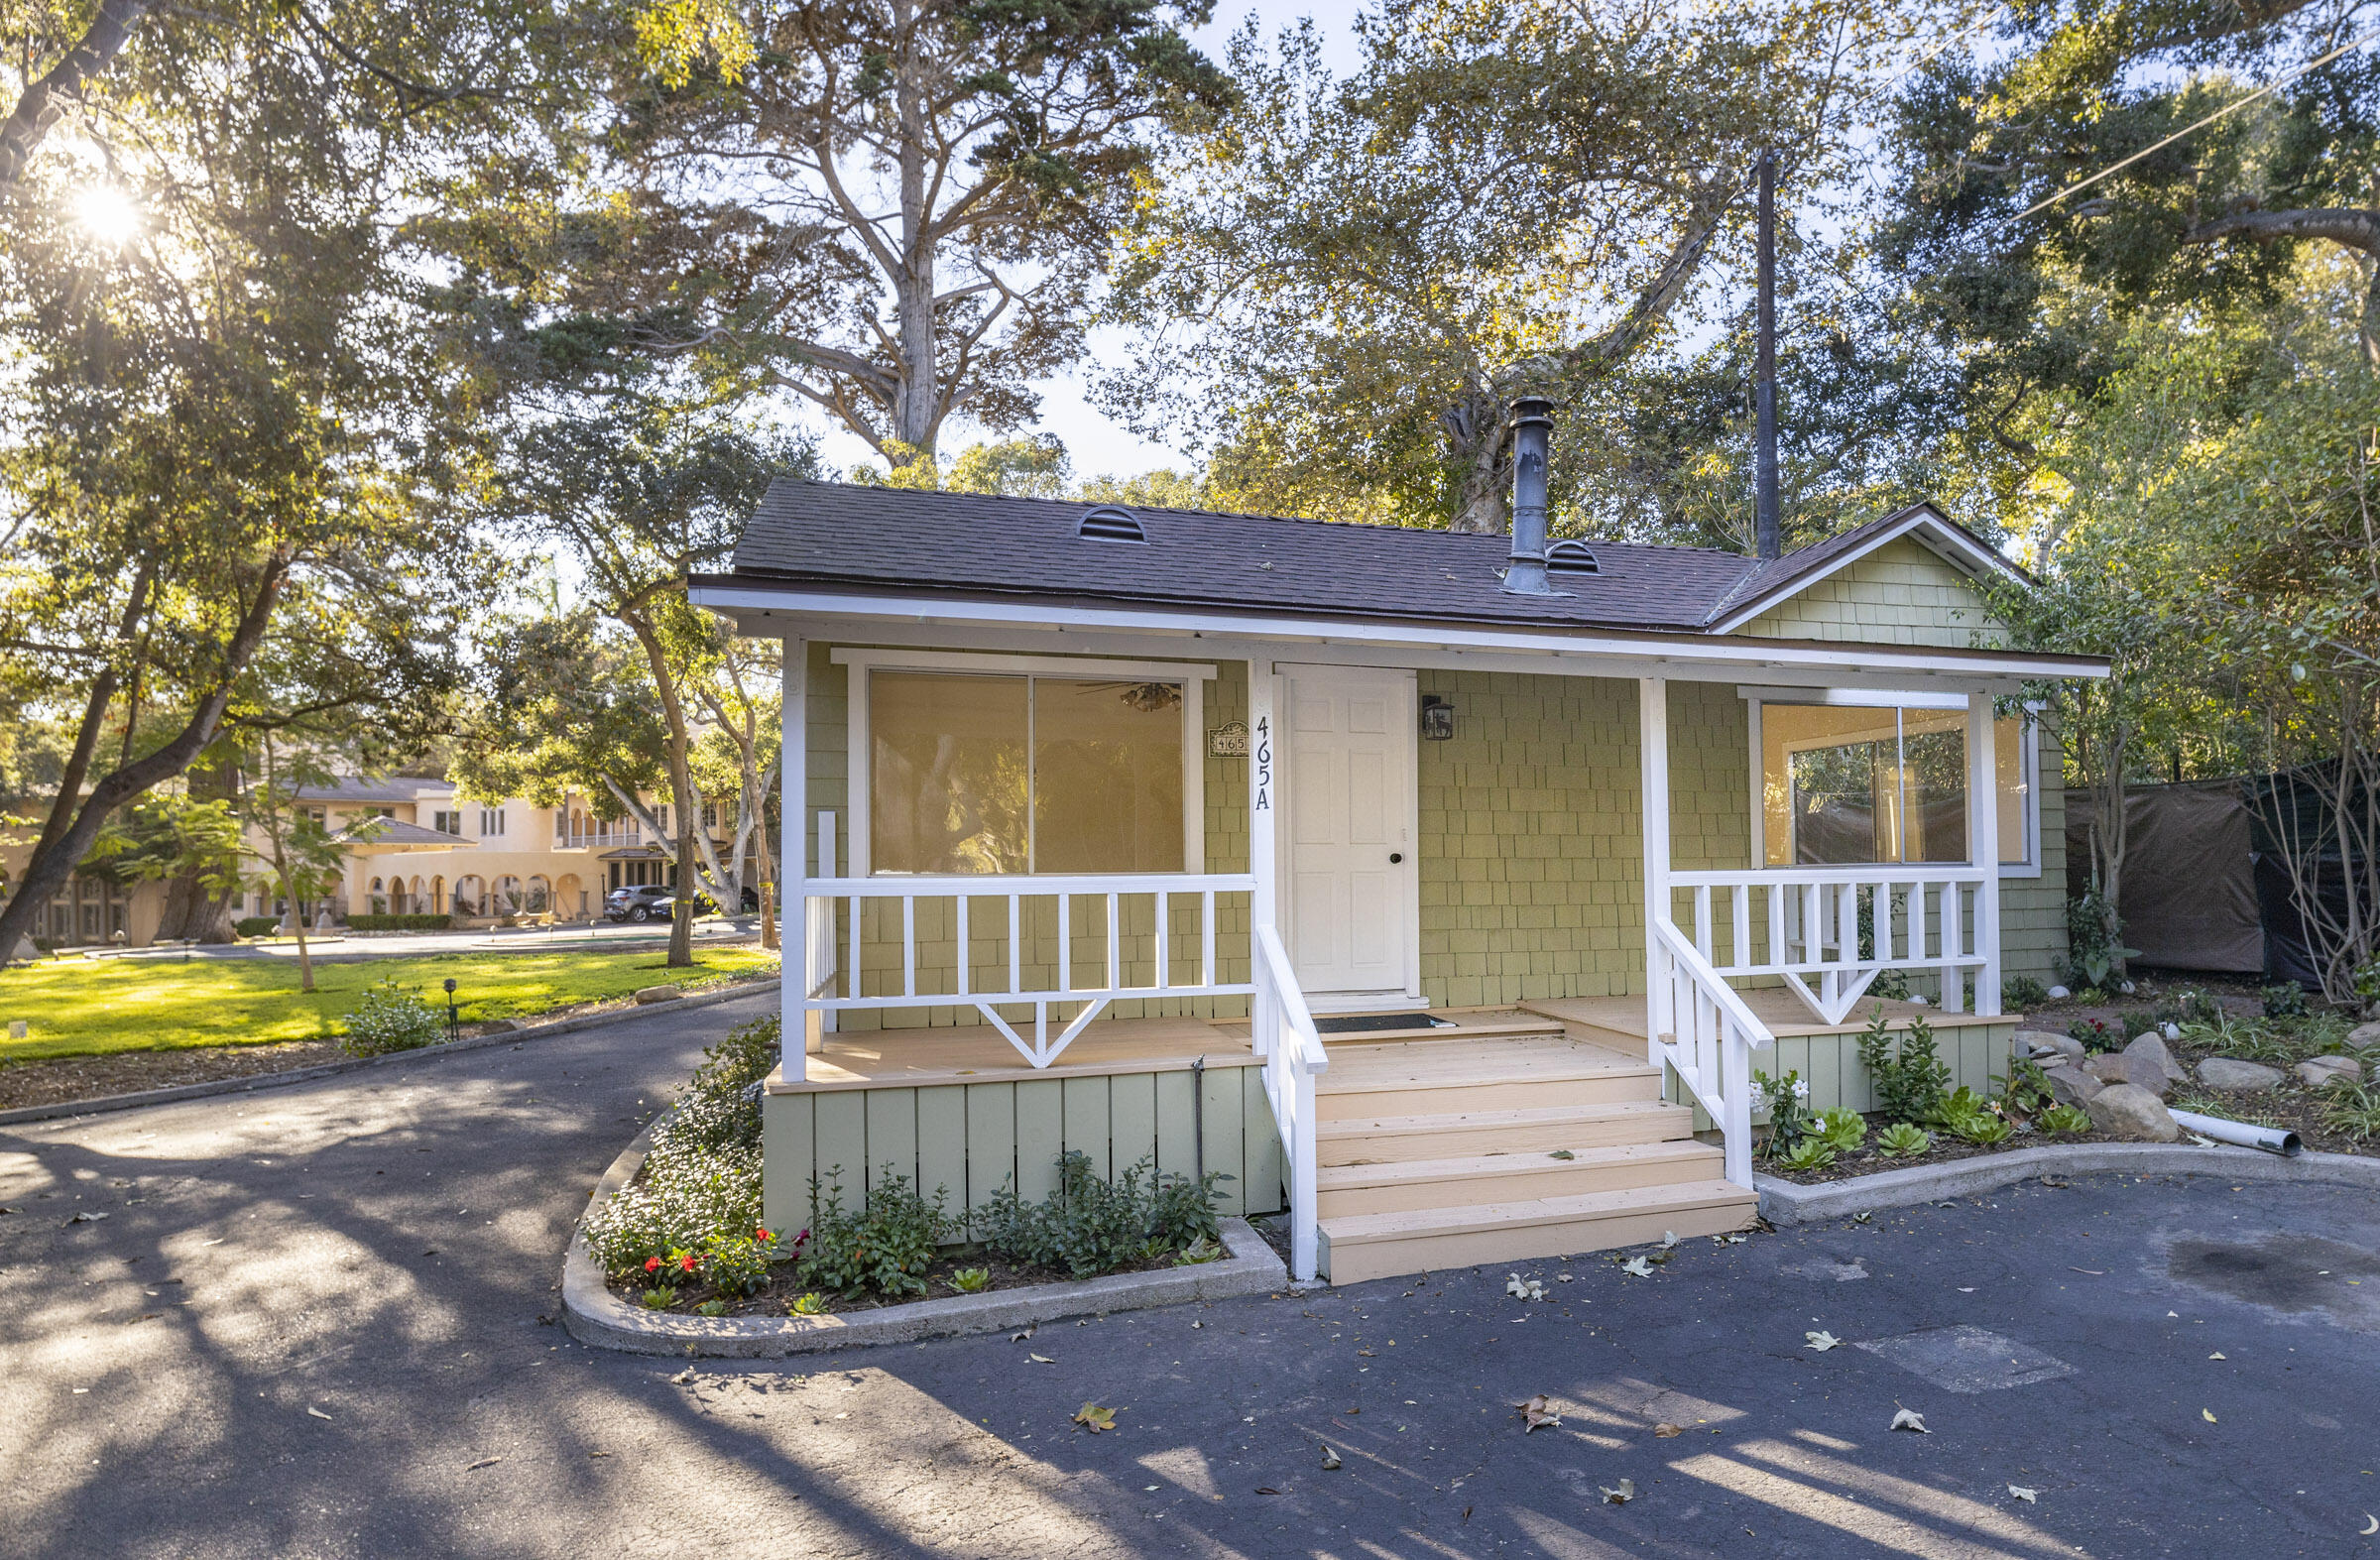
(641, 901)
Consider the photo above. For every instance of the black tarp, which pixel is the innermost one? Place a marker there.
(2188, 899)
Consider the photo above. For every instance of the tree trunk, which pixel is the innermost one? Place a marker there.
(194, 911)
(681, 787)
(64, 844)
(915, 416)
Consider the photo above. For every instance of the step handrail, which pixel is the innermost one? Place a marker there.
(1281, 1031)
(1705, 1032)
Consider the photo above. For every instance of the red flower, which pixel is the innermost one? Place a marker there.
(653, 1265)
(762, 1235)
(687, 1261)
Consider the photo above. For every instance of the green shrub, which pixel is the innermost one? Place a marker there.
(2064, 1119)
(2284, 999)
(970, 1280)
(2021, 993)
(2095, 1035)
(389, 1017)
(686, 1197)
(1892, 985)
(1182, 1212)
(1089, 1225)
(400, 923)
(2025, 1088)
(1199, 1251)
(811, 1304)
(1902, 1139)
(2352, 1110)
(1788, 1100)
(887, 1244)
(660, 1298)
(1982, 1128)
(2133, 1023)
(1811, 1153)
(2095, 942)
(1839, 1128)
(739, 1263)
(255, 925)
(1906, 1079)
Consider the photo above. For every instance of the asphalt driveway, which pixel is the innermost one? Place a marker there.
(2170, 1366)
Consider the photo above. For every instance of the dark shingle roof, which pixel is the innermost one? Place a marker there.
(832, 533)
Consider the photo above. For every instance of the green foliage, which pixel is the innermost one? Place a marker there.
(1199, 1251)
(2063, 1119)
(1087, 1226)
(2096, 1035)
(1788, 1101)
(2094, 947)
(738, 1264)
(970, 1280)
(810, 1305)
(2022, 994)
(1902, 1139)
(256, 925)
(2025, 1089)
(396, 922)
(886, 1246)
(1839, 1128)
(1907, 1078)
(1982, 1128)
(2352, 1110)
(391, 1018)
(711, 1308)
(1811, 1153)
(2284, 999)
(1956, 1106)
(661, 1297)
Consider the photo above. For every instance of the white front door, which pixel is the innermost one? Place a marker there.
(1352, 881)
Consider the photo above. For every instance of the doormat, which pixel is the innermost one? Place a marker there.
(1359, 1023)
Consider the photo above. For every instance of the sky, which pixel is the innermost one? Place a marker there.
(1098, 445)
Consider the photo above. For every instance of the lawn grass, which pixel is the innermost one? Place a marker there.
(77, 1009)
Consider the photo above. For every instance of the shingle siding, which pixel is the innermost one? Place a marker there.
(1902, 593)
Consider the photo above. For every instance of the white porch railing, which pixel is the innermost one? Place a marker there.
(1040, 931)
(1706, 1033)
(1281, 1029)
(1829, 931)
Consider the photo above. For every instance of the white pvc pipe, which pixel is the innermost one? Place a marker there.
(2272, 1139)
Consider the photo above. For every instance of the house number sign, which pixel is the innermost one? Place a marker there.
(1227, 741)
(1263, 763)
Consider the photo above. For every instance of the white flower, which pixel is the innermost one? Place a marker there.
(1801, 1088)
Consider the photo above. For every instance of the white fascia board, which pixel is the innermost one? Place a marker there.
(1118, 630)
(1953, 545)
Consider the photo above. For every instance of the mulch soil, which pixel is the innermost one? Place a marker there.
(2292, 1105)
(782, 1290)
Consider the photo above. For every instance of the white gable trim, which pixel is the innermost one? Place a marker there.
(1922, 524)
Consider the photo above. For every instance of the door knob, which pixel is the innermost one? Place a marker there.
(1394, 857)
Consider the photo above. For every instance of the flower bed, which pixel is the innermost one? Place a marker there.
(685, 1235)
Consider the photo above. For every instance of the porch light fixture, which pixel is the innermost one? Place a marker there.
(1437, 719)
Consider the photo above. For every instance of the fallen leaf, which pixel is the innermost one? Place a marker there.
(1040, 1359)
(1330, 1460)
(1561, 1154)
(1862, 1218)
(1663, 1432)
(2371, 1524)
(1266, 1489)
(1365, 1353)
(1637, 1267)
(2023, 1494)
(1621, 1495)
(1819, 1343)
(1538, 1410)
(1910, 1419)
(2093, 1271)
(1965, 1289)
(316, 1412)
(1094, 1418)
(683, 1377)
(2207, 1415)
(1669, 1238)
(485, 1462)
(1018, 1337)
(2218, 1355)
(87, 1218)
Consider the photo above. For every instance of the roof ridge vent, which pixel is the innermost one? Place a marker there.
(1110, 523)
(1570, 556)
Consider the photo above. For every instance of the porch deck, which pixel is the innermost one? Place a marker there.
(1774, 1006)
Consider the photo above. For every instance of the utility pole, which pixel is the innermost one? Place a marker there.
(1769, 537)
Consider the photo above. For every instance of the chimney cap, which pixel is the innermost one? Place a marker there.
(1532, 409)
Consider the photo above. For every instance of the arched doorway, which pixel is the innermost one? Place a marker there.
(540, 896)
(508, 895)
(569, 895)
(379, 897)
(470, 895)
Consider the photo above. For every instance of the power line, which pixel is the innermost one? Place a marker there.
(2228, 109)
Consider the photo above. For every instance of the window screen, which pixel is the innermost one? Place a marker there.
(1847, 786)
(988, 773)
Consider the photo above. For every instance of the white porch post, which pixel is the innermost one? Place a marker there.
(1262, 794)
(1652, 710)
(793, 862)
(1983, 845)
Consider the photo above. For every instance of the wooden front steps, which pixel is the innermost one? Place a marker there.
(1437, 1149)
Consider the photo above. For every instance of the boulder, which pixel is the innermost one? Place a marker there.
(2363, 1037)
(2237, 1077)
(649, 995)
(2037, 1042)
(2140, 1071)
(2058, 994)
(2152, 1046)
(2131, 1113)
(2323, 1069)
(2071, 1085)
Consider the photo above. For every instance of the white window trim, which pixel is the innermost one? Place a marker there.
(858, 663)
(2028, 760)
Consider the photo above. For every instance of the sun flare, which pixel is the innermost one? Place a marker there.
(108, 214)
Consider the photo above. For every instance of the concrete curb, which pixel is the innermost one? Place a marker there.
(1783, 1202)
(275, 1080)
(594, 1315)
